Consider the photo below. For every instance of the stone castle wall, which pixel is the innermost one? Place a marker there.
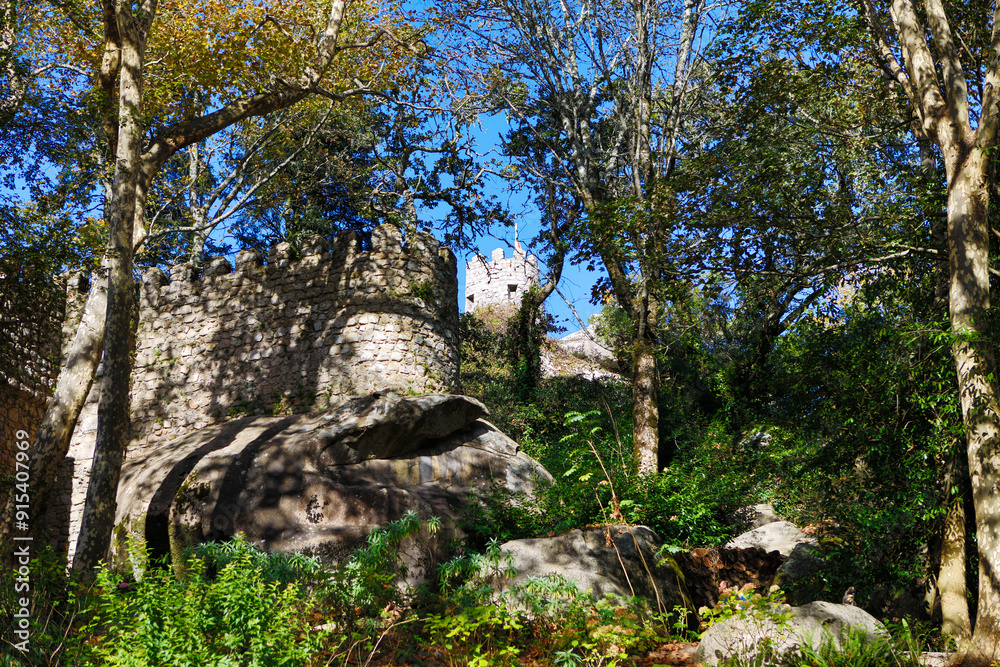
(291, 335)
(29, 360)
(501, 281)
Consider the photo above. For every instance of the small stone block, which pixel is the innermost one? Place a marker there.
(280, 255)
(387, 238)
(217, 266)
(182, 273)
(154, 279)
(314, 244)
(248, 260)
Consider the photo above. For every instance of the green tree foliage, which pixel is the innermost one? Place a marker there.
(871, 398)
(802, 177)
(600, 97)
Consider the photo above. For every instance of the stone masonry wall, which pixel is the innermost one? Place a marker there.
(29, 360)
(500, 281)
(291, 335)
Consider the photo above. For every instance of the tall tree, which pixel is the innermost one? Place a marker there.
(605, 90)
(945, 58)
(788, 193)
(312, 49)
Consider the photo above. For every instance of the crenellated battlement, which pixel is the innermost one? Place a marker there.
(331, 323)
(499, 281)
(290, 334)
(389, 259)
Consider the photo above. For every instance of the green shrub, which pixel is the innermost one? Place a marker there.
(237, 618)
(482, 620)
(57, 604)
(279, 567)
(856, 649)
(364, 585)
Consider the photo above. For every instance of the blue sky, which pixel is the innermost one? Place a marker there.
(574, 286)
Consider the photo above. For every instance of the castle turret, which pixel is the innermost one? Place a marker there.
(500, 280)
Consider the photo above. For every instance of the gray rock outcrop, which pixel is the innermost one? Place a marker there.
(755, 516)
(796, 575)
(780, 536)
(584, 344)
(320, 483)
(810, 624)
(617, 561)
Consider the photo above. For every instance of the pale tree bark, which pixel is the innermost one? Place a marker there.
(951, 583)
(196, 208)
(113, 410)
(969, 301)
(938, 95)
(16, 87)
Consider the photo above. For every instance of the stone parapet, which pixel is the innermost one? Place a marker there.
(295, 333)
(500, 280)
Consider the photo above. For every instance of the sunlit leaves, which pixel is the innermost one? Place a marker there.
(201, 54)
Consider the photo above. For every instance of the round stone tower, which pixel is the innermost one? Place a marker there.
(499, 281)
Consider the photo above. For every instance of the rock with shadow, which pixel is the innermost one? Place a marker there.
(765, 638)
(780, 536)
(618, 562)
(319, 483)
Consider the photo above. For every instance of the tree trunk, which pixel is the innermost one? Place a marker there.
(112, 303)
(969, 300)
(951, 579)
(951, 583)
(51, 444)
(13, 94)
(198, 210)
(113, 410)
(645, 409)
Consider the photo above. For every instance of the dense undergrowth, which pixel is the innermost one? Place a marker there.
(581, 431)
(818, 440)
(235, 605)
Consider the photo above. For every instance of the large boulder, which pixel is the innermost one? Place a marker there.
(614, 561)
(809, 625)
(320, 483)
(384, 425)
(755, 516)
(780, 536)
(800, 576)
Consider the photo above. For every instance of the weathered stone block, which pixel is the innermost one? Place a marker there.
(217, 266)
